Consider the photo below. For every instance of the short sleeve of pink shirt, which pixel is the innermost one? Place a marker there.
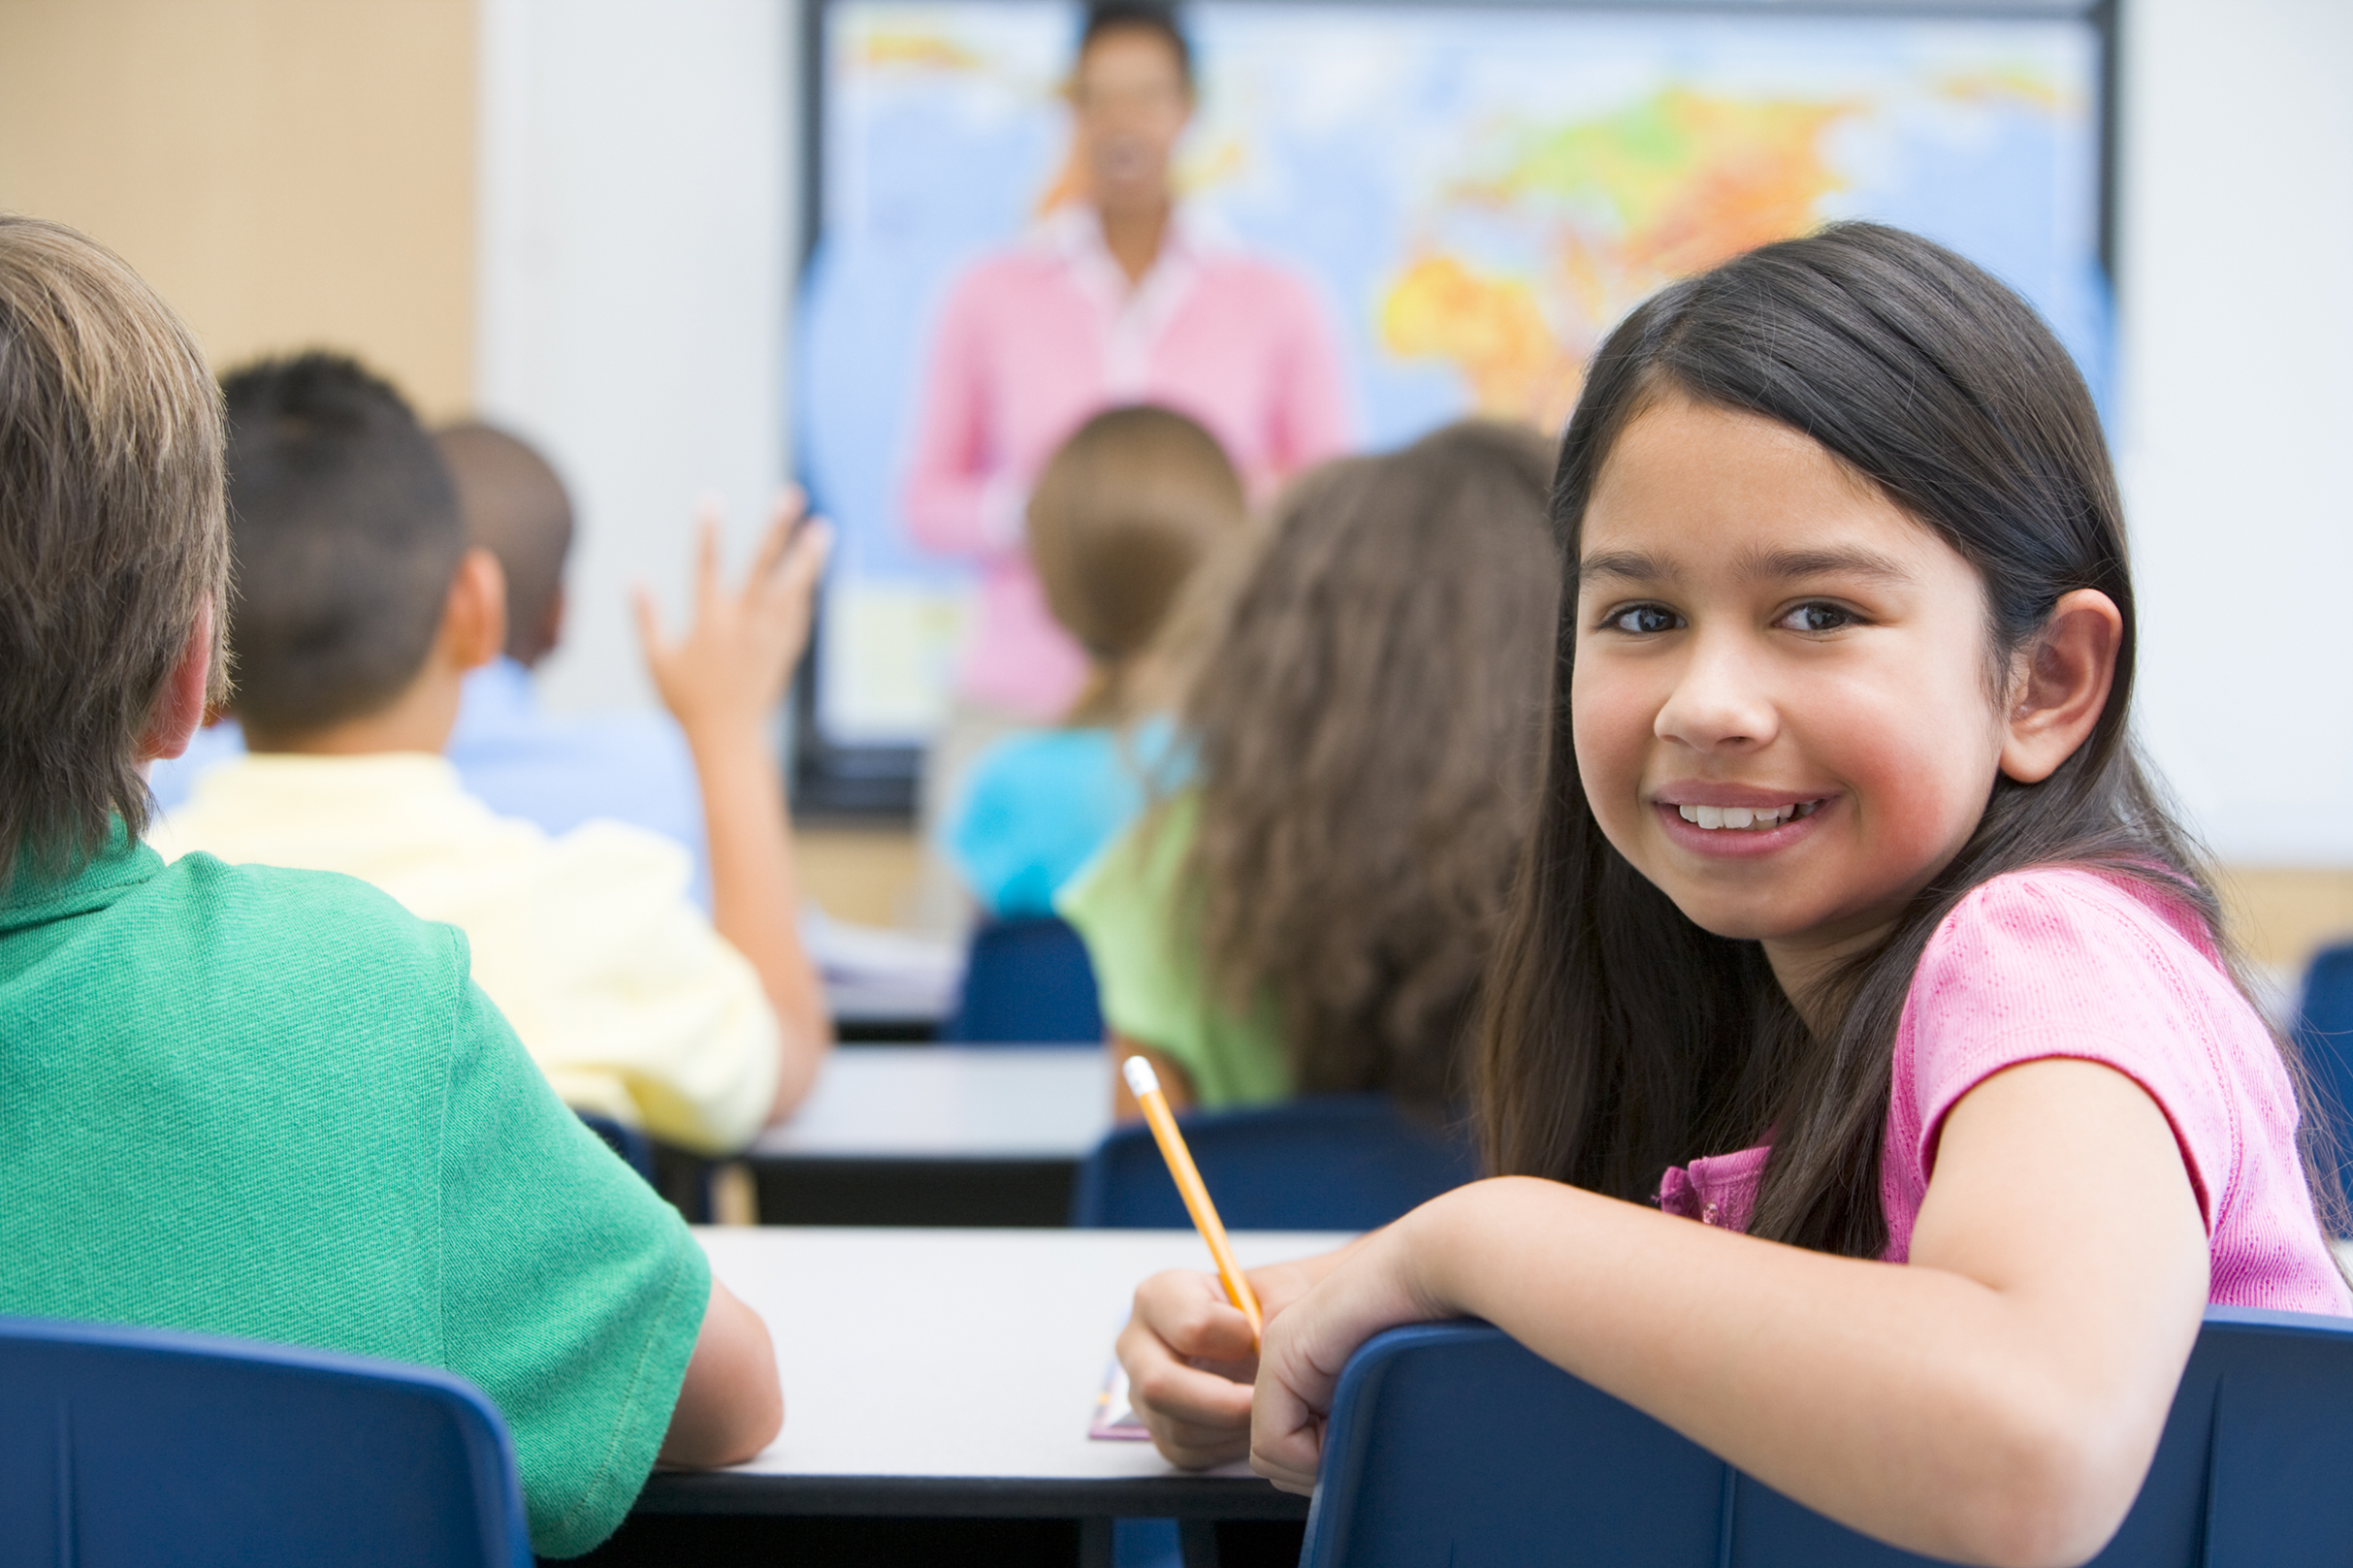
(2062, 962)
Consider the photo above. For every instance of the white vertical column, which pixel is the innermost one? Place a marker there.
(639, 196)
(2237, 438)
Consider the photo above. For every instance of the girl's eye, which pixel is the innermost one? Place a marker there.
(1817, 617)
(1643, 620)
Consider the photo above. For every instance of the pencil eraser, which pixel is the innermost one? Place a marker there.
(1142, 1080)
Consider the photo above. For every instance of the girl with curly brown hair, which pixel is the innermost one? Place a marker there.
(1312, 913)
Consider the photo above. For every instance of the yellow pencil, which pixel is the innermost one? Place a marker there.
(1145, 1084)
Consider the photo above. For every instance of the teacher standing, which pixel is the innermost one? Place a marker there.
(1116, 297)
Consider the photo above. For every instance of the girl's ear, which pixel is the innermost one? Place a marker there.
(2060, 685)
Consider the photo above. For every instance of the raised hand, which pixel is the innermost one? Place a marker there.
(732, 665)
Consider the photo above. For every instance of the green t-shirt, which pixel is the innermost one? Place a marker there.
(270, 1103)
(1145, 946)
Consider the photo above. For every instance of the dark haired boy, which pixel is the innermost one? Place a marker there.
(267, 1103)
(361, 607)
(560, 771)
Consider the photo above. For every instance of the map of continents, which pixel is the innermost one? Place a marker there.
(1618, 206)
(1477, 193)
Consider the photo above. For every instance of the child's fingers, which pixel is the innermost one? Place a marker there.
(805, 560)
(1196, 1418)
(649, 622)
(1183, 1399)
(706, 556)
(775, 545)
(783, 520)
(1202, 1448)
(1286, 1440)
(1188, 1311)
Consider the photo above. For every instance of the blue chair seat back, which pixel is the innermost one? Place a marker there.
(1329, 1163)
(122, 1447)
(1450, 1444)
(1027, 982)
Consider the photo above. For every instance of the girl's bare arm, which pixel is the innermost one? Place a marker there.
(1996, 1402)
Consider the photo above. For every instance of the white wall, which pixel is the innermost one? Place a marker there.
(2235, 284)
(637, 190)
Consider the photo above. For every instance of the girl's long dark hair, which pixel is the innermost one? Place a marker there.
(1621, 1038)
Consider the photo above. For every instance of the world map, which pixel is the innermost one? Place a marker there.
(1478, 195)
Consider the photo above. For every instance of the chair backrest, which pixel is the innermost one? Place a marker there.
(1027, 982)
(1449, 1443)
(134, 1446)
(629, 1142)
(1329, 1162)
(2325, 1032)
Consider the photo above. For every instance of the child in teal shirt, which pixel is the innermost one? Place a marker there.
(263, 1102)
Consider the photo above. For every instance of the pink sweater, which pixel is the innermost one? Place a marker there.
(2064, 962)
(1035, 341)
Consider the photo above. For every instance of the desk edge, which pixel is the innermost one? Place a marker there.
(748, 1492)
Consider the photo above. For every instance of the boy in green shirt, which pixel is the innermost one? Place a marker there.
(267, 1103)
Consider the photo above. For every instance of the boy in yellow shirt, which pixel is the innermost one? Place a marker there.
(360, 610)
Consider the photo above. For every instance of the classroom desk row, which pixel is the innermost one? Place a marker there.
(938, 1135)
(944, 1380)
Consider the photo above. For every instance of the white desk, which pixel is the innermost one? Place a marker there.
(950, 1102)
(953, 1373)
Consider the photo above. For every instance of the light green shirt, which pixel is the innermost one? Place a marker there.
(270, 1103)
(1146, 945)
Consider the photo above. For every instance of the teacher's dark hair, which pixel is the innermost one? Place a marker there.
(1113, 16)
(1620, 1037)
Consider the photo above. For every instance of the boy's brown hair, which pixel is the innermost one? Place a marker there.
(113, 535)
(1123, 514)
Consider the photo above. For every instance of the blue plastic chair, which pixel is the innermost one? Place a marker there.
(124, 1447)
(629, 1142)
(1329, 1163)
(1027, 982)
(2325, 1032)
(1449, 1443)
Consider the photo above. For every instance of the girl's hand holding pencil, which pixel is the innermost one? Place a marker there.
(1190, 1348)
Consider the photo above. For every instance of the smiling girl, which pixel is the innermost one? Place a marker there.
(1853, 934)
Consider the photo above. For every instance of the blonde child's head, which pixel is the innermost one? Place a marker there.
(1121, 516)
(1847, 631)
(113, 539)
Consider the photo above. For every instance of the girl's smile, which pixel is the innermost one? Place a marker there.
(1785, 698)
(1720, 819)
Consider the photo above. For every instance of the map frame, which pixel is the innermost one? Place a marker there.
(877, 784)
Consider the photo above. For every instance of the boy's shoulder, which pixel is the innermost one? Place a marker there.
(351, 943)
(301, 998)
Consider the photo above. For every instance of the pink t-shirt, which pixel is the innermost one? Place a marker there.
(2065, 962)
(1035, 341)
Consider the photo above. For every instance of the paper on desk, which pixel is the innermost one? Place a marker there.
(925, 972)
(1116, 1419)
